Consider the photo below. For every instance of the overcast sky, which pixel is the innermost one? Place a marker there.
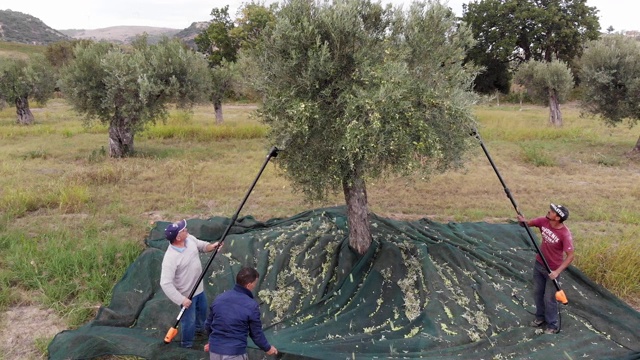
(179, 14)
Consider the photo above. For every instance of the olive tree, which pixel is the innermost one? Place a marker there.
(216, 41)
(222, 78)
(547, 81)
(611, 80)
(222, 40)
(221, 49)
(21, 80)
(129, 87)
(60, 53)
(356, 91)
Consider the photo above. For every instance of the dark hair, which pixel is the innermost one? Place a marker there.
(246, 276)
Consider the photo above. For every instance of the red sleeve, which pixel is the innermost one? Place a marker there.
(538, 222)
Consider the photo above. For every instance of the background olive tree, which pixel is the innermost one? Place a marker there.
(129, 87)
(547, 81)
(60, 53)
(222, 40)
(221, 49)
(21, 80)
(611, 80)
(356, 91)
(222, 78)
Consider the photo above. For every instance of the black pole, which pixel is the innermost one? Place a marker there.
(174, 330)
(560, 296)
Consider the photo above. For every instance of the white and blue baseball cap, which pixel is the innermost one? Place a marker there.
(171, 232)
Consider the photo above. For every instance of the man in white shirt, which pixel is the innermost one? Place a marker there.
(181, 268)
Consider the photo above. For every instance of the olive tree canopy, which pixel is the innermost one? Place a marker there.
(21, 80)
(611, 80)
(355, 91)
(127, 88)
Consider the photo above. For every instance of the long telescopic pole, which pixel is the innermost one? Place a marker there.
(174, 330)
(560, 296)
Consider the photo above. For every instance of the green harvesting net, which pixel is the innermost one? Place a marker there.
(423, 290)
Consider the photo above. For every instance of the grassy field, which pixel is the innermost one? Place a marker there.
(72, 219)
(13, 50)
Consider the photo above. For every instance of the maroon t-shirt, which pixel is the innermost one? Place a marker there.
(554, 242)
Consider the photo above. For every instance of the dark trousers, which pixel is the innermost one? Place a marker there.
(544, 296)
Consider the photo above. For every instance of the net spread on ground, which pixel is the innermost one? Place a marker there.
(423, 290)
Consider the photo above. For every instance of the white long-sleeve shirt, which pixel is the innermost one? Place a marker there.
(180, 270)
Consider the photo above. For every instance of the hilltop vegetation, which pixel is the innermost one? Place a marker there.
(27, 29)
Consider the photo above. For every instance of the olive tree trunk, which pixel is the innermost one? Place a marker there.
(355, 194)
(636, 149)
(120, 138)
(25, 117)
(555, 116)
(217, 106)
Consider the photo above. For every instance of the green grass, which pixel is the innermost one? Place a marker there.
(535, 155)
(72, 219)
(614, 262)
(210, 133)
(67, 198)
(14, 50)
(182, 125)
(67, 271)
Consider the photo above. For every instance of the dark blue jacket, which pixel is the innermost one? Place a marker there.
(233, 316)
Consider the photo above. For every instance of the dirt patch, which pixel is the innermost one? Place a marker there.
(26, 331)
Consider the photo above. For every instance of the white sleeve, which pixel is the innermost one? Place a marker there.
(167, 277)
(199, 243)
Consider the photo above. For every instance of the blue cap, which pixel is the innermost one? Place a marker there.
(171, 232)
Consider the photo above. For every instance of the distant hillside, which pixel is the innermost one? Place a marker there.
(189, 34)
(26, 29)
(125, 34)
(23, 28)
(121, 34)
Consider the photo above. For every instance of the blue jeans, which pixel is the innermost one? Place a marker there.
(193, 319)
(544, 296)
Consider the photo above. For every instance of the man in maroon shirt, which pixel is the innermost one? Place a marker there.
(556, 242)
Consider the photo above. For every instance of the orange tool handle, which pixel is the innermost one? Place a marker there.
(560, 296)
(170, 335)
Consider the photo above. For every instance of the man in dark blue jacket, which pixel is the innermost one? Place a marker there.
(233, 316)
